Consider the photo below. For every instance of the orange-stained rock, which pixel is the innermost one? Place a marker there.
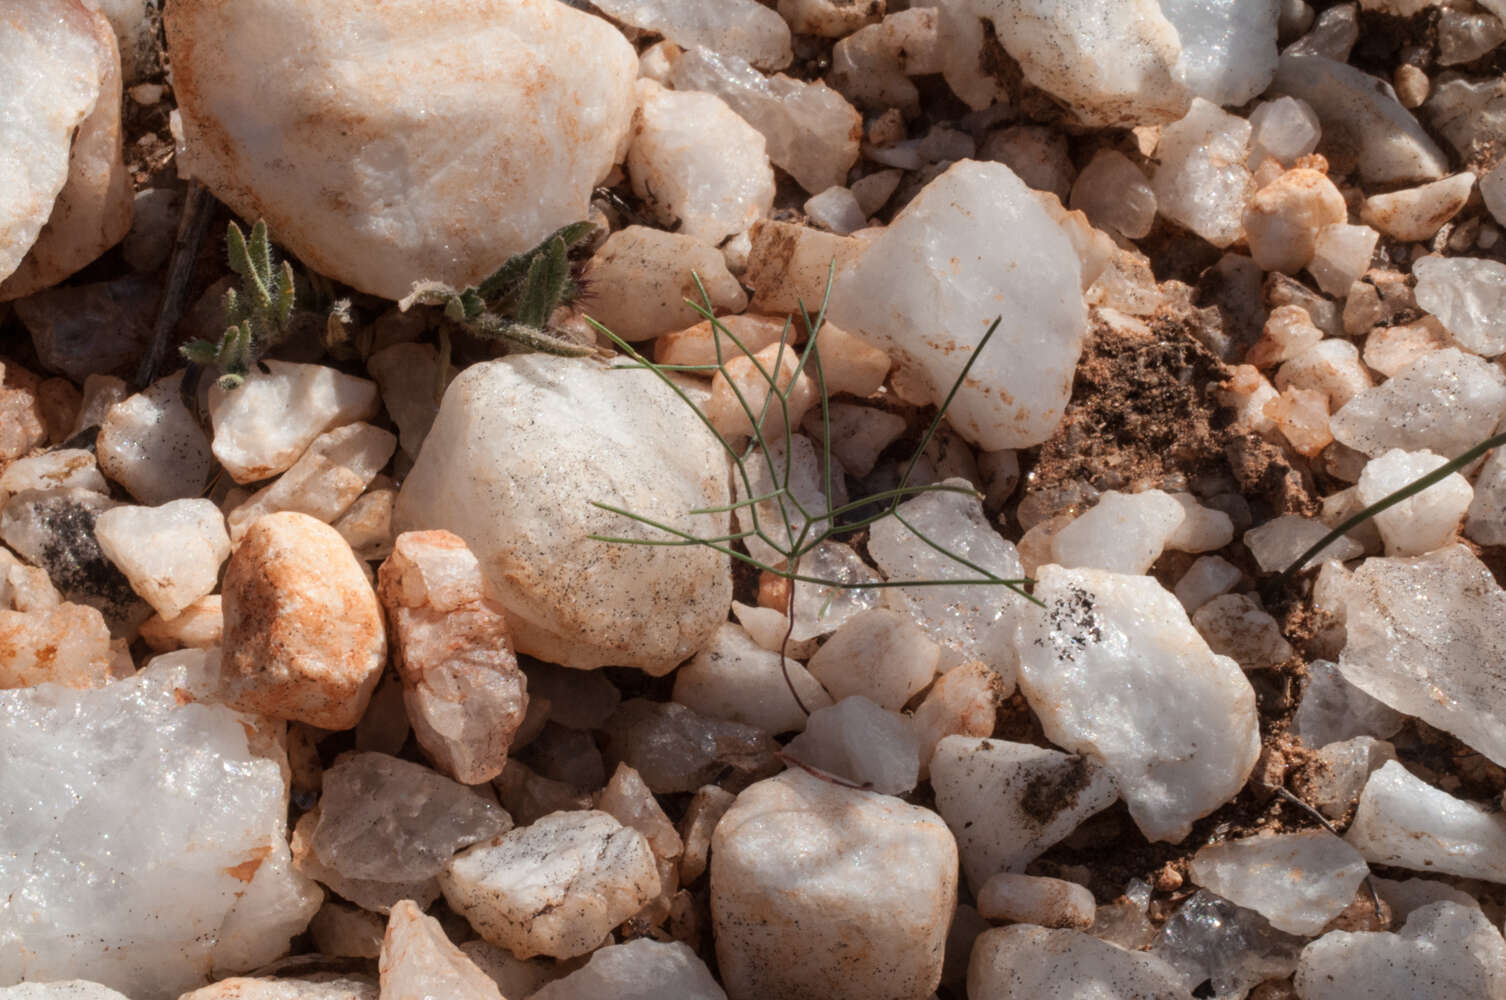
(68, 644)
(21, 425)
(303, 630)
(465, 695)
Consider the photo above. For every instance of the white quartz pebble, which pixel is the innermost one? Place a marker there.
(1443, 402)
(1282, 220)
(1113, 667)
(881, 654)
(1297, 881)
(1115, 194)
(638, 280)
(1202, 182)
(1486, 521)
(1204, 580)
(418, 960)
(326, 479)
(1236, 626)
(964, 701)
(1468, 295)
(1122, 533)
(1443, 950)
(153, 446)
(741, 28)
(736, 679)
(1416, 214)
(1284, 129)
(1341, 256)
(171, 554)
(640, 969)
(1422, 522)
(1013, 963)
(807, 896)
(1031, 899)
(1203, 529)
(861, 742)
(1404, 822)
(1277, 543)
(1332, 709)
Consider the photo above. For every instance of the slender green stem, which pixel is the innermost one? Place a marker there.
(1390, 500)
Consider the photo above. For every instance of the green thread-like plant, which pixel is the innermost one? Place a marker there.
(257, 315)
(796, 531)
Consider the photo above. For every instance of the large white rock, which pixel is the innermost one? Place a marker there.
(153, 446)
(857, 740)
(1228, 47)
(556, 887)
(811, 130)
(520, 450)
(640, 969)
(1468, 295)
(372, 142)
(114, 800)
(1363, 122)
(804, 898)
(881, 654)
(1123, 532)
(1113, 668)
(1443, 950)
(1424, 521)
(1444, 402)
(1112, 64)
(1297, 881)
(1405, 822)
(926, 289)
(171, 554)
(1202, 181)
(1024, 961)
(1008, 802)
(696, 164)
(971, 622)
(744, 29)
(1442, 659)
(60, 989)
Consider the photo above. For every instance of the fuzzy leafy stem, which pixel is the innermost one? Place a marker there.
(258, 314)
(1388, 501)
(515, 302)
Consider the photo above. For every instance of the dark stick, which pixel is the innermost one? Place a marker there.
(193, 226)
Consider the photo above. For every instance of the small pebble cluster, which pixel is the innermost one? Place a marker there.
(345, 684)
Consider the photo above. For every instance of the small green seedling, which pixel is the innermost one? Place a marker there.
(258, 314)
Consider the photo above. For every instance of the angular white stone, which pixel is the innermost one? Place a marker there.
(1115, 194)
(1334, 786)
(1043, 964)
(803, 898)
(1415, 214)
(64, 468)
(1122, 533)
(638, 280)
(744, 29)
(1202, 182)
(373, 141)
(1405, 822)
(929, 319)
(1332, 709)
(518, 453)
(1362, 120)
(811, 130)
(261, 428)
(1285, 129)
(1205, 580)
(872, 66)
(1283, 218)
(153, 446)
(556, 887)
(86, 773)
(1236, 626)
(881, 654)
(1443, 950)
(1441, 402)
(372, 895)
(696, 164)
(1031, 899)
(325, 480)
(1277, 543)
(640, 969)
(857, 740)
(418, 960)
(859, 434)
(1341, 256)
(1486, 522)
(819, 608)
(1297, 881)
(63, 989)
(1228, 47)
(1234, 948)
(964, 701)
(837, 209)
(171, 554)
(1008, 802)
(734, 678)
(1441, 659)
(792, 463)
(1113, 667)
(1468, 295)
(198, 626)
(1422, 522)
(1204, 529)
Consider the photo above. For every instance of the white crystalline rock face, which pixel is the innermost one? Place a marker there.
(153, 446)
(262, 427)
(55, 62)
(1008, 803)
(1332, 709)
(171, 554)
(1028, 961)
(1486, 522)
(1442, 659)
(862, 742)
(734, 678)
(418, 960)
(1443, 950)
(86, 773)
(926, 289)
(1405, 822)
(971, 622)
(1203, 530)
(881, 654)
(1363, 123)
(556, 887)
(1297, 881)
(805, 900)
(1113, 64)
(696, 164)
(1443, 402)
(1236, 626)
(1202, 182)
(372, 142)
(1115, 194)
(1114, 669)
(1422, 522)
(1228, 47)
(520, 449)
(1285, 129)
(640, 969)
(811, 130)
(1341, 256)
(1122, 533)
(819, 608)
(1278, 542)
(744, 29)
(1468, 295)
